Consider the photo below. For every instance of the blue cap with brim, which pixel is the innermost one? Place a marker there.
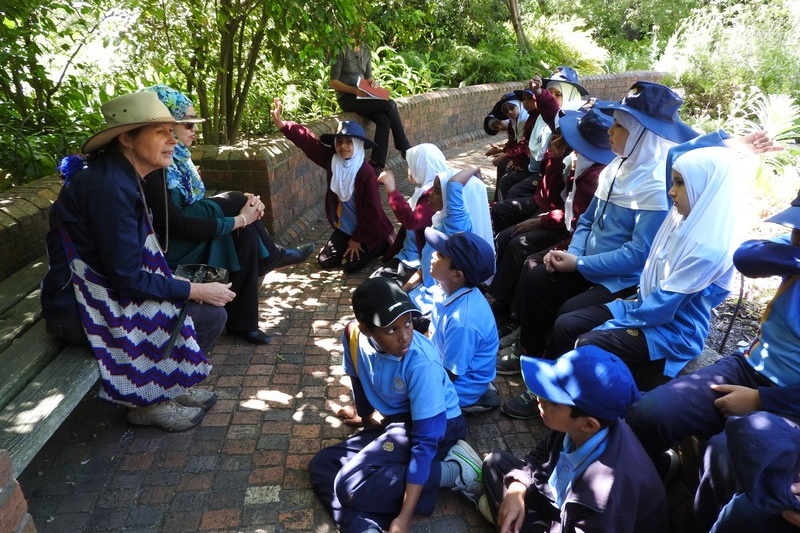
(655, 107)
(586, 131)
(595, 381)
(497, 110)
(789, 217)
(565, 74)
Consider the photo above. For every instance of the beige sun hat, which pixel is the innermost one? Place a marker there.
(126, 113)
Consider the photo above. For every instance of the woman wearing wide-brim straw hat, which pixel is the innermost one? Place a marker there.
(100, 222)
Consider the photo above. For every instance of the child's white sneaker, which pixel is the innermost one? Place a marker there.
(470, 482)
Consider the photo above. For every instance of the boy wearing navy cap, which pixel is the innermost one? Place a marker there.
(463, 325)
(590, 473)
(380, 477)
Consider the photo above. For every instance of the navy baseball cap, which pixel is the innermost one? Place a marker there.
(470, 253)
(586, 131)
(655, 107)
(380, 301)
(789, 217)
(595, 381)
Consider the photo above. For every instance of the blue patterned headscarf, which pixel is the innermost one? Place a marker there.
(181, 174)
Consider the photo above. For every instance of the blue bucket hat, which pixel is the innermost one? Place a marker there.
(595, 381)
(655, 107)
(348, 128)
(497, 111)
(789, 217)
(586, 131)
(470, 253)
(565, 74)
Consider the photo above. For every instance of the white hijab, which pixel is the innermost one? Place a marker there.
(344, 171)
(518, 124)
(636, 180)
(582, 164)
(568, 91)
(691, 253)
(476, 202)
(425, 161)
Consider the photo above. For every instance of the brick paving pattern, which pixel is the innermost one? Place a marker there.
(244, 467)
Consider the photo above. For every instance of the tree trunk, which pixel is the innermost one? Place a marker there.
(516, 22)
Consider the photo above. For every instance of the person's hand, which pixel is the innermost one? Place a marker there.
(387, 179)
(275, 113)
(737, 400)
(353, 252)
(350, 418)
(400, 525)
(493, 150)
(790, 515)
(535, 84)
(253, 209)
(527, 225)
(557, 146)
(560, 261)
(211, 293)
(498, 159)
(758, 142)
(511, 513)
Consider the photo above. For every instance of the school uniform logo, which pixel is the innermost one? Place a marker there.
(399, 385)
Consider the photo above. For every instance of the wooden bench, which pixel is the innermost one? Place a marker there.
(42, 378)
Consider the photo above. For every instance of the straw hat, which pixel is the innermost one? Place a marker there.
(126, 113)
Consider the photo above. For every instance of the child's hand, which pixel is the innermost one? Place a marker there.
(758, 142)
(350, 418)
(535, 84)
(387, 179)
(353, 252)
(560, 261)
(736, 400)
(493, 150)
(511, 513)
(275, 113)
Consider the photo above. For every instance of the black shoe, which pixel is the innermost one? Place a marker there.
(292, 256)
(255, 336)
(524, 407)
(490, 400)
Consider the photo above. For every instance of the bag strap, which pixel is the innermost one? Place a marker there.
(353, 337)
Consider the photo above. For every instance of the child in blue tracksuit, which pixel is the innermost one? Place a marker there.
(766, 377)
(590, 473)
(463, 325)
(378, 478)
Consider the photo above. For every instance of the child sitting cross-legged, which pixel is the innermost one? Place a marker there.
(463, 325)
(380, 477)
(590, 473)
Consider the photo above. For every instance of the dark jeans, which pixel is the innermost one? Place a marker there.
(543, 296)
(243, 310)
(512, 250)
(629, 344)
(509, 180)
(332, 254)
(386, 118)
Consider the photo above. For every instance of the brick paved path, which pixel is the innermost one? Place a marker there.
(244, 467)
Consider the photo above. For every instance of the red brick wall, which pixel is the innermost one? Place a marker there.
(14, 517)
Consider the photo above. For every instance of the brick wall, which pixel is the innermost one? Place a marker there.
(291, 187)
(14, 517)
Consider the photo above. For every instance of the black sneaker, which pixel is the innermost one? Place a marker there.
(523, 407)
(508, 361)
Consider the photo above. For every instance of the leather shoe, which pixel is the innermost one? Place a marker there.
(255, 336)
(292, 256)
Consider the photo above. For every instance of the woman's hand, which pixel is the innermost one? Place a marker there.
(211, 293)
(353, 252)
(253, 209)
(275, 113)
(387, 178)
